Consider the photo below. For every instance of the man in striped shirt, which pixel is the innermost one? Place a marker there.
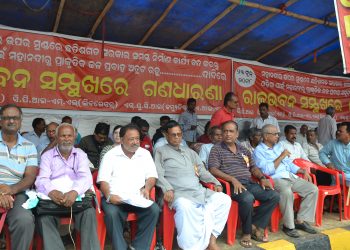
(18, 169)
(232, 162)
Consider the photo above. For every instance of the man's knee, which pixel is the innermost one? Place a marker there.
(246, 199)
(274, 197)
(24, 222)
(154, 210)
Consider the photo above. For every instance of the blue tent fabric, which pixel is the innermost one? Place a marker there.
(128, 21)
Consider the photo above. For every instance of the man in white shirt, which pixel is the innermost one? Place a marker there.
(127, 174)
(301, 136)
(264, 118)
(38, 135)
(215, 135)
(290, 144)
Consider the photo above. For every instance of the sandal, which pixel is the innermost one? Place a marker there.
(259, 238)
(246, 243)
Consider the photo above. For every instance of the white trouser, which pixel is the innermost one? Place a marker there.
(195, 223)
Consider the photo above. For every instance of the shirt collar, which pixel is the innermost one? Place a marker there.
(119, 151)
(20, 139)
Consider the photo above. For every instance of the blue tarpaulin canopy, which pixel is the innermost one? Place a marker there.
(299, 34)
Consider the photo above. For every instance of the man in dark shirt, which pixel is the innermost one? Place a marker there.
(232, 162)
(92, 145)
(163, 120)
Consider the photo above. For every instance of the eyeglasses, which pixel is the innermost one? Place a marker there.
(275, 134)
(8, 118)
(175, 135)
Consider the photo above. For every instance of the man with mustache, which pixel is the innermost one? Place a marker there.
(291, 145)
(65, 174)
(127, 175)
(18, 168)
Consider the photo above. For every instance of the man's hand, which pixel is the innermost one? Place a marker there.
(169, 196)
(218, 188)
(330, 165)
(307, 177)
(56, 196)
(6, 189)
(69, 198)
(266, 184)
(285, 153)
(6, 201)
(238, 187)
(145, 193)
(115, 199)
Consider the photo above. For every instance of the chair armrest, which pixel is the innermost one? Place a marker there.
(208, 185)
(226, 184)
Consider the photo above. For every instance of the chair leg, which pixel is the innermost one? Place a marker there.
(232, 223)
(319, 210)
(275, 219)
(340, 206)
(168, 227)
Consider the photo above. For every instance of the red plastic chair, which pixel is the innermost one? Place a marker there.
(132, 217)
(167, 222)
(323, 191)
(232, 220)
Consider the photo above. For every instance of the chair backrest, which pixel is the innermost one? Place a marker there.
(310, 165)
(2, 218)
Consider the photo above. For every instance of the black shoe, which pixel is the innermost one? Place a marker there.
(291, 232)
(306, 227)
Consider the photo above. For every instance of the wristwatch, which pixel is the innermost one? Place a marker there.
(108, 198)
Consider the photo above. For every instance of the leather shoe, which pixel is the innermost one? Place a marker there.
(291, 232)
(306, 227)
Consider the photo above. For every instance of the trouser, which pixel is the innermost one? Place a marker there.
(21, 224)
(115, 218)
(195, 223)
(260, 216)
(84, 222)
(308, 192)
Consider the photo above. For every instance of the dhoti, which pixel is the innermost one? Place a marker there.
(195, 223)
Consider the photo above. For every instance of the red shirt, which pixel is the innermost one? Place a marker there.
(204, 139)
(221, 116)
(146, 143)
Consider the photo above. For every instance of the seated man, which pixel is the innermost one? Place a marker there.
(127, 175)
(254, 138)
(51, 134)
(232, 162)
(290, 144)
(145, 140)
(336, 153)
(312, 150)
(38, 135)
(64, 174)
(215, 136)
(301, 136)
(201, 213)
(18, 169)
(92, 145)
(162, 120)
(273, 160)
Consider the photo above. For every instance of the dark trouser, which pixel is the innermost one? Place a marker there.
(85, 223)
(262, 214)
(21, 224)
(115, 218)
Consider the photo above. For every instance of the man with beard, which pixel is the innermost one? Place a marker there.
(127, 175)
(92, 145)
(65, 174)
(18, 168)
(290, 144)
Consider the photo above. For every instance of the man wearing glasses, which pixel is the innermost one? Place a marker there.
(201, 213)
(18, 169)
(274, 161)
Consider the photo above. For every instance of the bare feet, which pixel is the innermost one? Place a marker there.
(212, 243)
(246, 242)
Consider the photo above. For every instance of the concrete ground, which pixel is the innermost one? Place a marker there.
(330, 221)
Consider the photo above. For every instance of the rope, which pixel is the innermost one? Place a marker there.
(69, 229)
(35, 10)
